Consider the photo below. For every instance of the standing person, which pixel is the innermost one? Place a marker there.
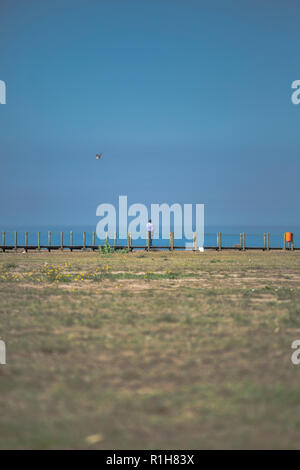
(150, 232)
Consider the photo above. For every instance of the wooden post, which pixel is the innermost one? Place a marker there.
(244, 247)
(16, 241)
(71, 241)
(26, 241)
(94, 242)
(128, 241)
(284, 244)
(3, 241)
(195, 241)
(148, 240)
(84, 240)
(115, 240)
(62, 240)
(265, 241)
(39, 240)
(268, 241)
(292, 244)
(49, 241)
(171, 241)
(106, 238)
(220, 241)
(241, 241)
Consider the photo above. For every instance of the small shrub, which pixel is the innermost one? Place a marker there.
(106, 249)
(10, 265)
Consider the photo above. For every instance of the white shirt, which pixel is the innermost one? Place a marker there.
(149, 227)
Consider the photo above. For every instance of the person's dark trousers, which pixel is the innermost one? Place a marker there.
(150, 239)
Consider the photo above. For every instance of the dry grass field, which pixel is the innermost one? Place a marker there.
(149, 350)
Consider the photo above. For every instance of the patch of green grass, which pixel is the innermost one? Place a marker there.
(10, 265)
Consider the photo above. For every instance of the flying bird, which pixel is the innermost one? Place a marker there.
(98, 156)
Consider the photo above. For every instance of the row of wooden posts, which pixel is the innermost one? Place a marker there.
(71, 246)
(84, 245)
(242, 245)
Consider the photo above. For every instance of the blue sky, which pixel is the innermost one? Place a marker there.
(189, 101)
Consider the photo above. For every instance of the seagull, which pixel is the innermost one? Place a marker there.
(99, 156)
